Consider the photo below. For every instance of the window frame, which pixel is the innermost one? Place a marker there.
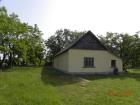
(88, 62)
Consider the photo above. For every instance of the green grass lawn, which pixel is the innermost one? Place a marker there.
(45, 86)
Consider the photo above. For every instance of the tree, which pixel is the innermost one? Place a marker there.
(36, 46)
(125, 46)
(4, 19)
(20, 43)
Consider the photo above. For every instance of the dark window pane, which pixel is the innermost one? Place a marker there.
(113, 63)
(88, 62)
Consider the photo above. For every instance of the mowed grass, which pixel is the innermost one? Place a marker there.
(46, 86)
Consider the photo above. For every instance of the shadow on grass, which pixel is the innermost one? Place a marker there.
(58, 78)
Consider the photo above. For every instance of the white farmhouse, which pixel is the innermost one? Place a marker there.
(87, 55)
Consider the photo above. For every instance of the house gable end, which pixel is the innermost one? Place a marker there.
(89, 41)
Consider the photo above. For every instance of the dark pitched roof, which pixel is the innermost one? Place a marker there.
(87, 41)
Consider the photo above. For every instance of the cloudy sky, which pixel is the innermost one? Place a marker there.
(99, 16)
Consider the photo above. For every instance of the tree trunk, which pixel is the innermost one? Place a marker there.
(3, 60)
(40, 62)
(9, 58)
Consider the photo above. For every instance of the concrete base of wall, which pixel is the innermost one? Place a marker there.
(89, 73)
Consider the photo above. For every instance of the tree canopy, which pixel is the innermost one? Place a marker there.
(125, 46)
(20, 43)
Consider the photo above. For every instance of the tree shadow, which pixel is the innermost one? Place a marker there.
(57, 78)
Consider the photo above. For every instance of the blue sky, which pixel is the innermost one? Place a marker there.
(99, 16)
(30, 11)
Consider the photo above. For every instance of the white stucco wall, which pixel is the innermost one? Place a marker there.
(102, 61)
(61, 62)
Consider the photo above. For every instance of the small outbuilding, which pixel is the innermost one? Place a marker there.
(87, 55)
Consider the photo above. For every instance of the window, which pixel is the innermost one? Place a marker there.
(113, 63)
(88, 62)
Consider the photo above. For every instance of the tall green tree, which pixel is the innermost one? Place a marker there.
(20, 43)
(36, 46)
(125, 46)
